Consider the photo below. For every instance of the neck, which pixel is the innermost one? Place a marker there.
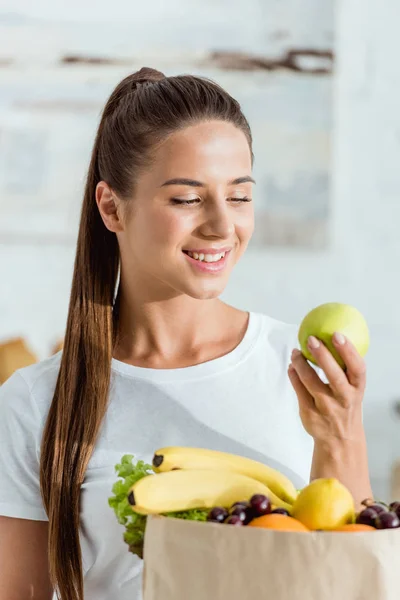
(175, 331)
(163, 323)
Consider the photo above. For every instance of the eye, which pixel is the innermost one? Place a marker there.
(240, 200)
(180, 202)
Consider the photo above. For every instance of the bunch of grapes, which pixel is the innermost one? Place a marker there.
(241, 513)
(380, 515)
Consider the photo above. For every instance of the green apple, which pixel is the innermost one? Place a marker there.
(326, 319)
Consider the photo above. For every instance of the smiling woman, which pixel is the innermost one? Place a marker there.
(204, 210)
(152, 357)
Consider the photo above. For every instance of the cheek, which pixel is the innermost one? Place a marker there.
(245, 225)
(163, 228)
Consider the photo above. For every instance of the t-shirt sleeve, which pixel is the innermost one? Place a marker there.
(20, 436)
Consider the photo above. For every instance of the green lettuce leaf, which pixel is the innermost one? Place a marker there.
(195, 514)
(135, 524)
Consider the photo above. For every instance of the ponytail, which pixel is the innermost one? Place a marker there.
(81, 394)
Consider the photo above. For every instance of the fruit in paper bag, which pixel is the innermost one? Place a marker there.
(324, 504)
(278, 522)
(395, 507)
(244, 513)
(234, 520)
(257, 506)
(324, 320)
(170, 458)
(367, 517)
(354, 527)
(387, 520)
(218, 514)
(184, 490)
(260, 505)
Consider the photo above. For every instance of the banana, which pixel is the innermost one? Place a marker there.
(178, 457)
(202, 488)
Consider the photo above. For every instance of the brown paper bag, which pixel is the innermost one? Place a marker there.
(189, 560)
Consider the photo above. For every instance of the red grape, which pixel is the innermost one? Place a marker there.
(244, 512)
(260, 504)
(395, 507)
(243, 504)
(239, 511)
(367, 517)
(378, 508)
(387, 520)
(280, 511)
(234, 520)
(217, 514)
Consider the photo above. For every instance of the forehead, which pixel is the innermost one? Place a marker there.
(206, 151)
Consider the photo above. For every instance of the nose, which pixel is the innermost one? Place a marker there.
(218, 221)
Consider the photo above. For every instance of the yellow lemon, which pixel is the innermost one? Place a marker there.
(324, 504)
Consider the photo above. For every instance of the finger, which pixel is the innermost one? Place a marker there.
(306, 401)
(355, 365)
(308, 377)
(335, 375)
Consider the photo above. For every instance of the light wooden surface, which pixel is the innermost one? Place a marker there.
(14, 354)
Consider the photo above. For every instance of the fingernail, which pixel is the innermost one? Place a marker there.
(291, 368)
(313, 342)
(339, 338)
(295, 353)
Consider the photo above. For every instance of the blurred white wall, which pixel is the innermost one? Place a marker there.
(361, 264)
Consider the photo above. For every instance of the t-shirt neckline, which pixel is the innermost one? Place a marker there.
(207, 368)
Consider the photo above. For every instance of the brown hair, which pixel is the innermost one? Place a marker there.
(142, 111)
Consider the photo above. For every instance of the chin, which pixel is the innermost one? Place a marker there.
(205, 292)
(200, 287)
(208, 295)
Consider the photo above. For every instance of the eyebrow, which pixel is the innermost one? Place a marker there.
(194, 183)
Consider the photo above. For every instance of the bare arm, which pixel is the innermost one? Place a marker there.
(23, 558)
(332, 414)
(348, 462)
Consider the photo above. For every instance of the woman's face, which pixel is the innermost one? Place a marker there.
(191, 217)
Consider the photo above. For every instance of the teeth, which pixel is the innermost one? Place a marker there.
(209, 258)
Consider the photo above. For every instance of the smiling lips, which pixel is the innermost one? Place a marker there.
(208, 260)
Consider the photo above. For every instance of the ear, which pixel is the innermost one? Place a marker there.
(109, 207)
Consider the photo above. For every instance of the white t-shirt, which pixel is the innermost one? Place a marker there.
(242, 403)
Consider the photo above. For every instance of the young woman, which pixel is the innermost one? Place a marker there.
(152, 356)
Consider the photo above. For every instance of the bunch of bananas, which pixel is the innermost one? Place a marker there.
(188, 478)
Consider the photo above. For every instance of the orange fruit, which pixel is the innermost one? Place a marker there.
(278, 522)
(354, 527)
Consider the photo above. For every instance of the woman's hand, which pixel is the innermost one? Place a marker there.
(332, 412)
